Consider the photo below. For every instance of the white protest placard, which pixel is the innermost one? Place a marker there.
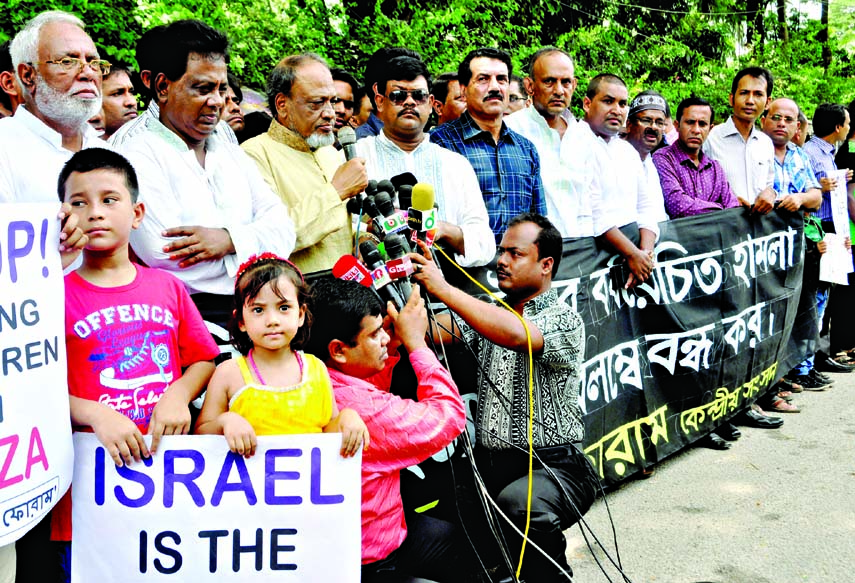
(197, 512)
(840, 203)
(836, 263)
(36, 454)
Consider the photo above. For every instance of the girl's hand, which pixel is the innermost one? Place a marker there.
(353, 432)
(239, 434)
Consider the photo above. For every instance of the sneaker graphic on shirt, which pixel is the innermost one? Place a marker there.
(141, 367)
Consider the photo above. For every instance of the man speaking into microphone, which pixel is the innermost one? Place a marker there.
(564, 484)
(404, 104)
(297, 158)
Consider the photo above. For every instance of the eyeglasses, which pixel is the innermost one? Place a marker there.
(778, 117)
(647, 122)
(514, 98)
(69, 64)
(348, 103)
(399, 96)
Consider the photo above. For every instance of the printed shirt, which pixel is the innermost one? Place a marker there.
(228, 193)
(748, 164)
(566, 171)
(821, 155)
(503, 391)
(508, 171)
(690, 190)
(622, 184)
(458, 196)
(403, 433)
(32, 156)
(125, 346)
(795, 174)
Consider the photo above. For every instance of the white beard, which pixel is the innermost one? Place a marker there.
(319, 140)
(66, 110)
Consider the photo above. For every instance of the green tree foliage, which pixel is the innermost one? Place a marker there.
(679, 47)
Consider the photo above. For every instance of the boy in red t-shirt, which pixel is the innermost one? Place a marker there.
(138, 350)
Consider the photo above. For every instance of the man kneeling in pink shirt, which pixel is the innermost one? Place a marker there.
(349, 334)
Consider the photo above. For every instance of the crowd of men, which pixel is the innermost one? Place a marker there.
(218, 187)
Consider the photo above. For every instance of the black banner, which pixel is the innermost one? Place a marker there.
(670, 360)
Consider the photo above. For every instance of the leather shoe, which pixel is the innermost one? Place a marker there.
(728, 432)
(825, 363)
(751, 418)
(713, 441)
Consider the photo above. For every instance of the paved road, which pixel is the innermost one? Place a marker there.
(779, 506)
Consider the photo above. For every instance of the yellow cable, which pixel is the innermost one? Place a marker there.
(530, 400)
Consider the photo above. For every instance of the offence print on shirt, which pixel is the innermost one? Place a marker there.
(132, 362)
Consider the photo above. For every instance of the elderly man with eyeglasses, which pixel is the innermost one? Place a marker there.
(297, 158)
(645, 125)
(59, 73)
(404, 103)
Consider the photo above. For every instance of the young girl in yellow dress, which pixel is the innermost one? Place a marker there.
(274, 388)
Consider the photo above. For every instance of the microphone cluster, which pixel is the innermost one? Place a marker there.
(386, 267)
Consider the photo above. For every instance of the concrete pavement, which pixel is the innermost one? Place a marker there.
(779, 506)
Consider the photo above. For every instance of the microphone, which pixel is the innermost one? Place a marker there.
(421, 216)
(404, 183)
(393, 221)
(399, 265)
(349, 268)
(386, 186)
(379, 274)
(347, 139)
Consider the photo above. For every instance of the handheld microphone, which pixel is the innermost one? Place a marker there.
(393, 221)
(404, 183)
(347, 139)
(421, 216)
(399, 265)
(379, 274)
(387, 187)
(349, 268)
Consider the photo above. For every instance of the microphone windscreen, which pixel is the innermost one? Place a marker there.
(371, 189)
(423, 197)
(349, 268)
(405, 196)
(346, 136)
(405, 179)
(384, 204)
(386, 186)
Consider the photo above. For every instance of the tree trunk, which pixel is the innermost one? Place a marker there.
(823, 36)
(783, 29)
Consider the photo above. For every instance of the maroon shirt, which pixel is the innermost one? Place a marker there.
(691, 190)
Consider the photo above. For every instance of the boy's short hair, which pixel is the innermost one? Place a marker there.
(341, 307)
(90, 159)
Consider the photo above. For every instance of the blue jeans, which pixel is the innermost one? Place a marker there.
(822, 294)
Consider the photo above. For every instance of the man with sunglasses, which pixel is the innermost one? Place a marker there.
(404, 104)
(506, 163)
(297, 158)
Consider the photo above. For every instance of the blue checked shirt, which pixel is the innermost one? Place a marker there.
(795, 175)
(508, 172)
(821, 155)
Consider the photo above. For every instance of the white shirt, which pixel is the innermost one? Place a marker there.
(654, 186)
(626, 197)
(566, 171)
(138, 125)
(455, 184)
(748, 164)
(227, 193)
(32, 156)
